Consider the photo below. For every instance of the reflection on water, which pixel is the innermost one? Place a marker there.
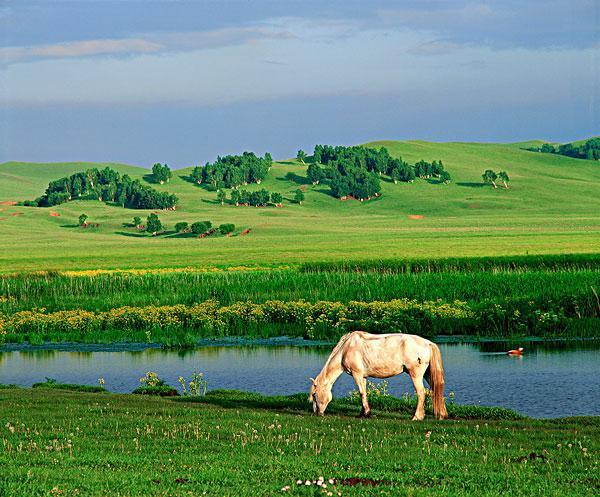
(547, 382)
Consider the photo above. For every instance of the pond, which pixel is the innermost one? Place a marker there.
(552, 379)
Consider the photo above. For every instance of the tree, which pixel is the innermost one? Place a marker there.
(201, 227)
(503, 176)
(299, 196)
(197, 174)
(547, 148)
(235, 197)
(83, 220)
(181, 227)
(226, 229)
(277, 198)
(153, 224)
(314, 173)
(445, 177)
(490, 176)
(161, 173)
(301, 155)
(137, 221)
(221, 196)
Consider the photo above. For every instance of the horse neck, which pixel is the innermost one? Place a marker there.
(331, 371)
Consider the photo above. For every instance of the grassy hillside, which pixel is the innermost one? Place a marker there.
(552, 206)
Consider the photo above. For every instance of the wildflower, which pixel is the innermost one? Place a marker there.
(307, 483)
(299, 482)
(428, 434)
(101, 381)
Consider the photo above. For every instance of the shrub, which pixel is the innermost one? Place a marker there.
(181, 227)
(201, 227)
(52, 383)
(153, 224)
(161, 391)
(226, 229)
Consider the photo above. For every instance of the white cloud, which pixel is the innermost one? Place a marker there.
(78, 49)
(143, 44)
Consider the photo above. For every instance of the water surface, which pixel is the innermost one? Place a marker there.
(550, 380)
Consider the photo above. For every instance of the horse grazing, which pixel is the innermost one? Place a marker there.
(363, 354)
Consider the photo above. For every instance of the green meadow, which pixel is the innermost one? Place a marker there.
(246, 445)
(551, 207)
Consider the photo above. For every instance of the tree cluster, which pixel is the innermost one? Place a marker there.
(490, 176)
(161, 173)
(199, 228)
(590, 149)
(106, 185)
(258, 198)
(233, 171)
(355, 171)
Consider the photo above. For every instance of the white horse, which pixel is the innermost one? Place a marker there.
(363, 355)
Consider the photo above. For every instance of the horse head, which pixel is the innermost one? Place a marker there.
(320, 396)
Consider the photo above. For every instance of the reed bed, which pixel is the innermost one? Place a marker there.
(558, 262)
(575, 289)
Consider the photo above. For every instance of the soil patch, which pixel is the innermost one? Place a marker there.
(245, 232)
(55, 214)
(8, 202)
(14, 214)
(367, 482)
(415, 216)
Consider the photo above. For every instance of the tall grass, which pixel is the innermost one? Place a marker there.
(571, 288)
(559, 262)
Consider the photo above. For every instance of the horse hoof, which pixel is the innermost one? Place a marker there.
(417, 419)
(365, 414)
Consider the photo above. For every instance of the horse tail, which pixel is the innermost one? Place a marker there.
(436, 375)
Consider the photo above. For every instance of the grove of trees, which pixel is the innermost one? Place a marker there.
(233, 171)
(590, 149)
(258, 198)
(106, 185)
(356, 171)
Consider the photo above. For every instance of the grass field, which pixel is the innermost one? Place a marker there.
(552, 206)
(127, 445)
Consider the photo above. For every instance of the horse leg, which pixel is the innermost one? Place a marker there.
(361, 383)
(416, 376)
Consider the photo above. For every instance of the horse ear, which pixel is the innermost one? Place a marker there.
(313, 381)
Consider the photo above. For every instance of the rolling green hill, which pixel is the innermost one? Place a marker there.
(552, 206)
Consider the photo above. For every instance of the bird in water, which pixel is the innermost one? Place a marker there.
(518, 351)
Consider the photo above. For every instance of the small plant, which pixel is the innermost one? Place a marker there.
(83, 220)
(151, 380)
(137, 221)
(151, 384)
(196, 387)
(101, 381)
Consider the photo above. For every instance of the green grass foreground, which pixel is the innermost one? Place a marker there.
(70, 443)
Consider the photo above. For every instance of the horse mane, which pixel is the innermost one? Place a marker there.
(336, 350)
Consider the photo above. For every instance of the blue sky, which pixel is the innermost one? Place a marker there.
(180, 82)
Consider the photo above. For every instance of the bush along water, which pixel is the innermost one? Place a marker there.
(180, 325)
